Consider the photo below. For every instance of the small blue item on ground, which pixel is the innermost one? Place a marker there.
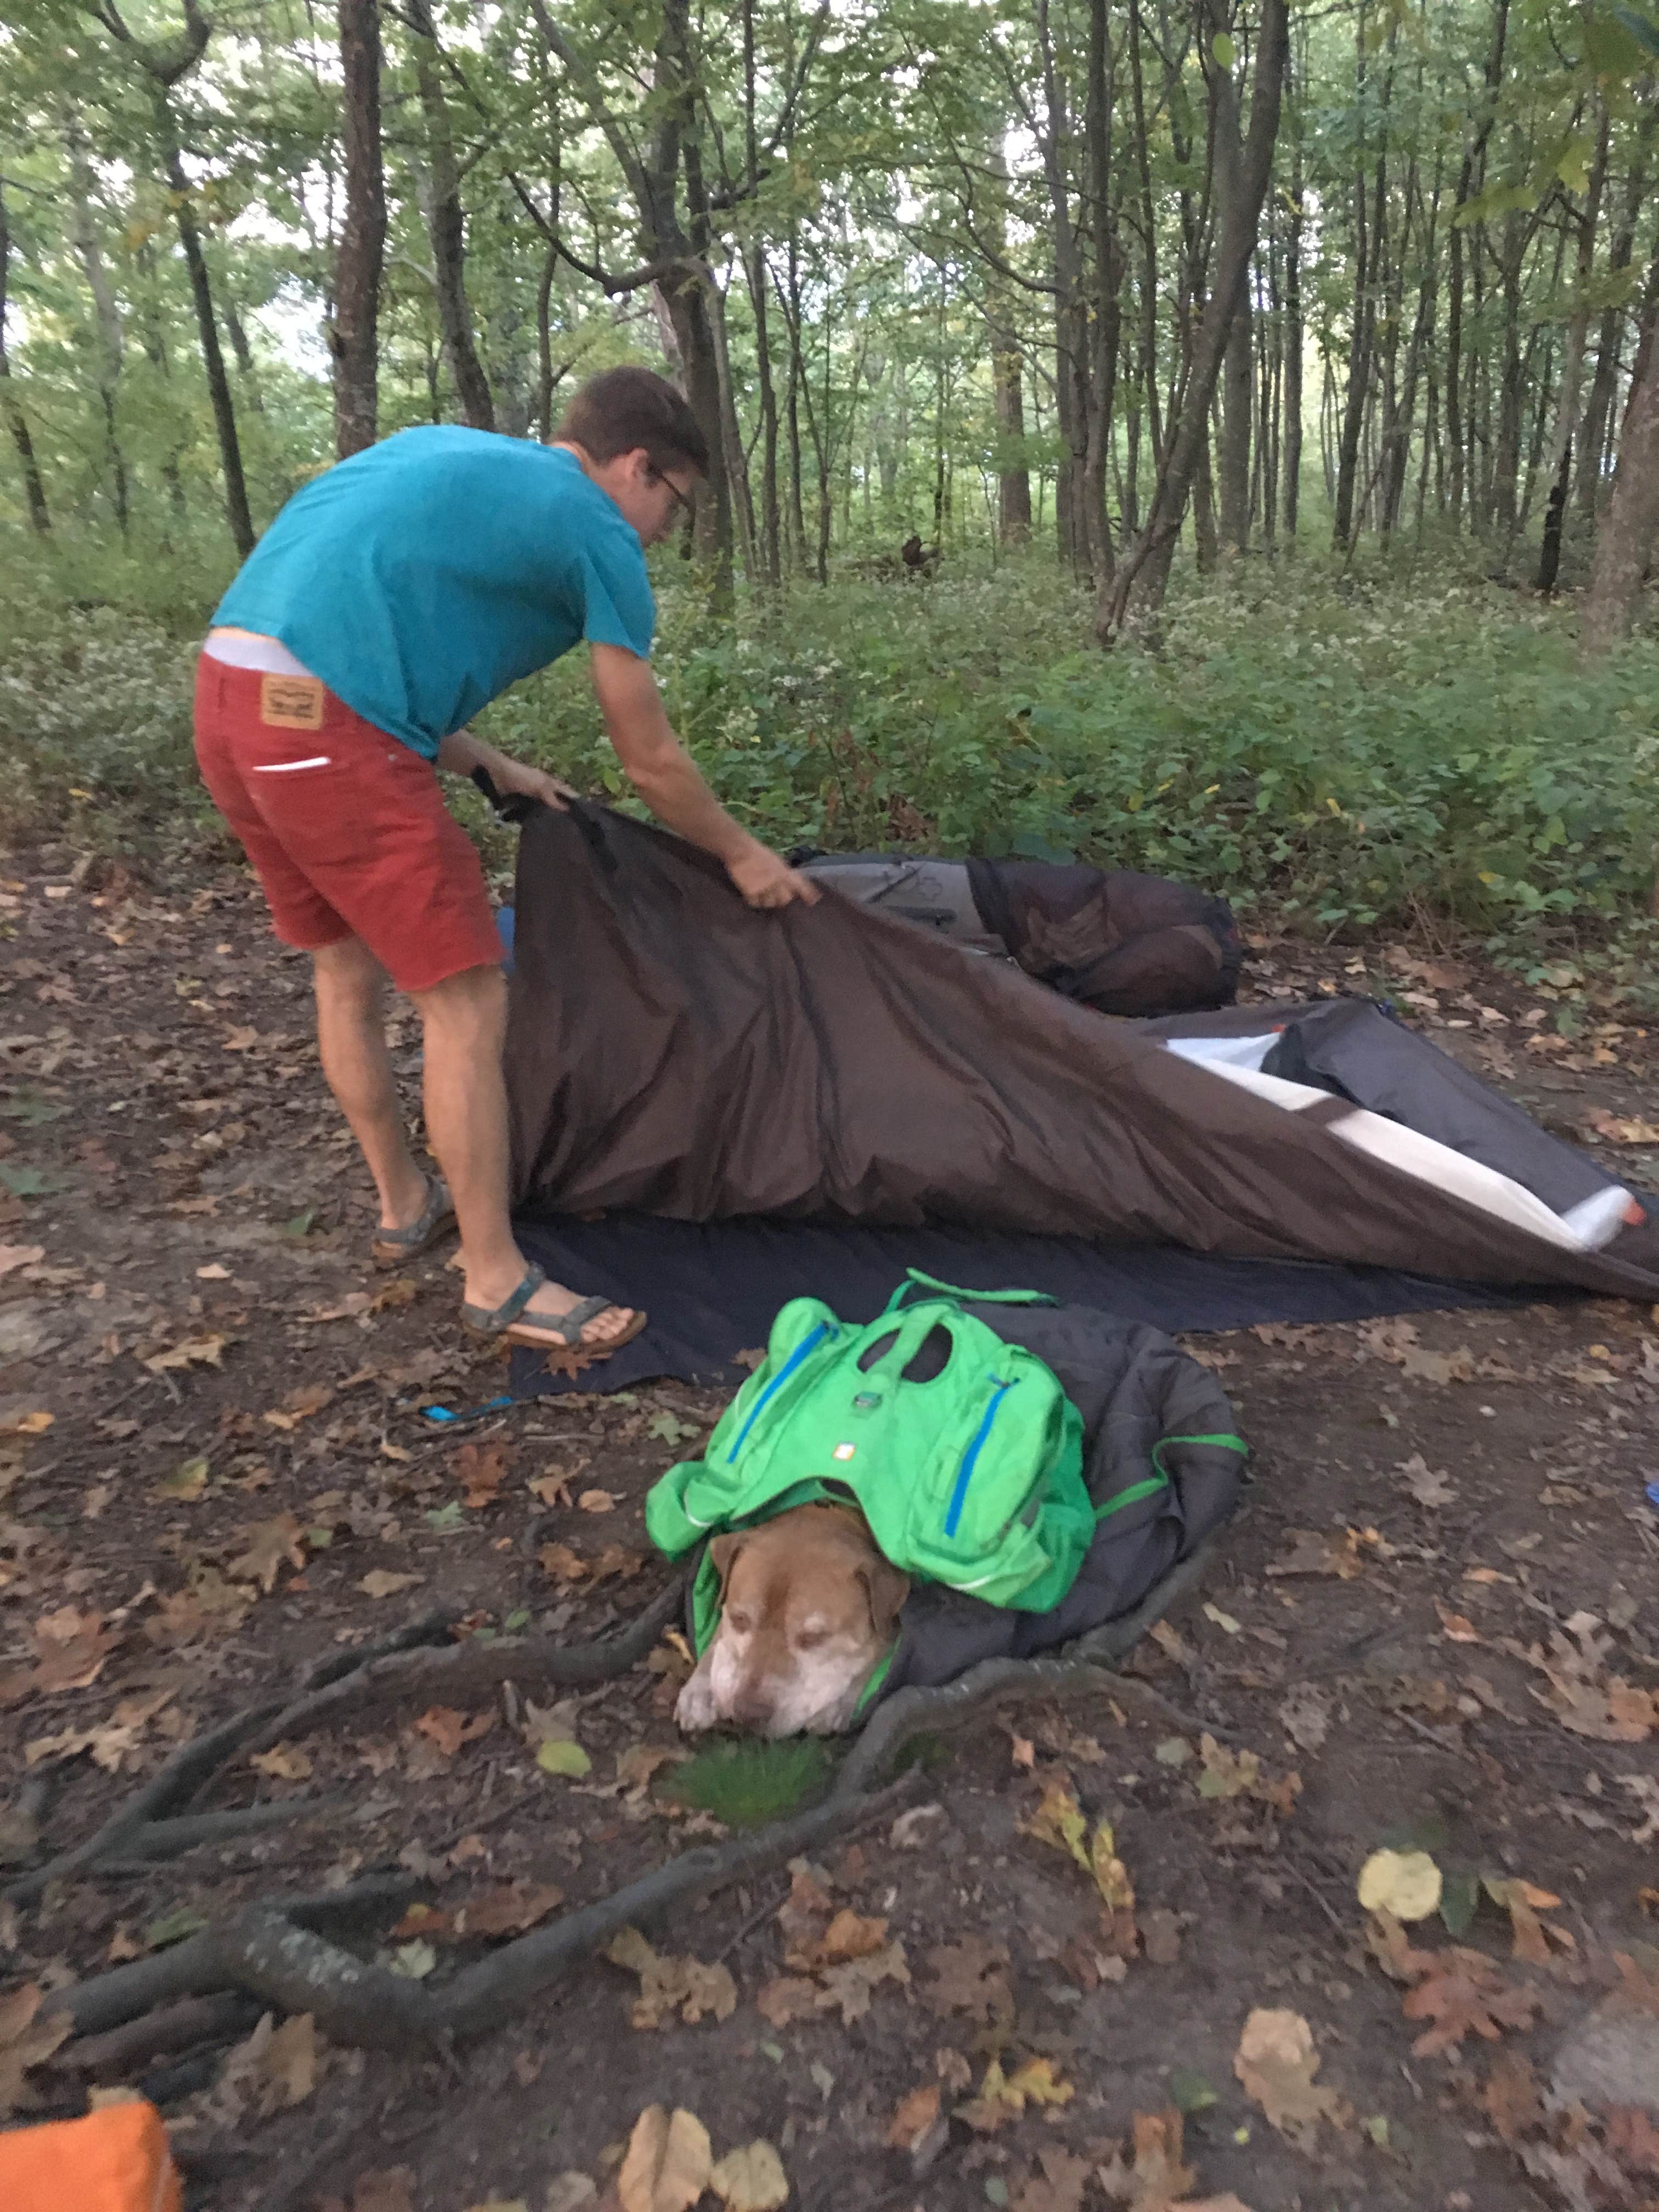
(445, 1414)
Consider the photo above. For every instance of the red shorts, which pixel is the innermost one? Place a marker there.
(346, 826)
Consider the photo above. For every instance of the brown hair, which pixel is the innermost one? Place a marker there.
(624, 409)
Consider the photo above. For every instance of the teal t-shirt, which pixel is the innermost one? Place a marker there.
(423, 575)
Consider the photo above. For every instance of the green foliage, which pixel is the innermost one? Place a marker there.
(747, 1784)
(1340, 753)
(1345, 754)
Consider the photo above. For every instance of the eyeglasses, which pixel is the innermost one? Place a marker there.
(680, 499)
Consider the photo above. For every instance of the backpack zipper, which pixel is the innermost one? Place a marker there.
(964, 1473)
(776, 1384)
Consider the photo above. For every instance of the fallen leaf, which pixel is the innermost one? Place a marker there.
(1431, 1490)
(1157, 2176)
(25, 2040)
(1405, 1884)
(271, 1546)
(71, 1649)
(1160, 1933)
(194, 1352)
(1226, 1773)
(1464, 1993)
(597, 1501)
(1313, 1552)
(669, 1986)
(1059, 1820)
(916, 2115)
(1223, 1621)
(667, 2163)
(786, 1999)
(970, 1977)
(481, 1468)
(285, 1762)
(186, 1484)
(1003, 2097)
(847, 1936)
(1059, 2184)
(19, 1256)
(751, 2179)
(561, 1755)
(1459, 1629)
(1511, 2099)
(1276, 2061)
(387, 2188)
(414, 1961)
(849, 1985)
(569, 2191)
(448, 1730)
(274, 2069)
(1305, 1714)
(381, 1582)
(213, 1273)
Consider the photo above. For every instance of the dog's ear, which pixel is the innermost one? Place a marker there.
(886, 1589)
(723, 1550)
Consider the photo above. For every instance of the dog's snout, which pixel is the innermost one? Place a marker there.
(751, 1706)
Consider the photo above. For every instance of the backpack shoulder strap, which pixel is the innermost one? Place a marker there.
(915, 1279)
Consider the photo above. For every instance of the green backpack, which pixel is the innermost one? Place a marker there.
(973, 1478)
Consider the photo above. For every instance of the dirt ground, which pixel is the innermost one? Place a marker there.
(1433, 1628)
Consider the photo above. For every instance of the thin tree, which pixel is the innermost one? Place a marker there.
(16, 420)
(162, 67)
(353, 328)
(1143, 570)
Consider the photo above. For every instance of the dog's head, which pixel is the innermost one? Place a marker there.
(809, 1607)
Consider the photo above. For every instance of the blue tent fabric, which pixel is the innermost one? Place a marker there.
(712, 1288)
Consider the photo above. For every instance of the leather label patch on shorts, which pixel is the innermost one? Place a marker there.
(291, 702)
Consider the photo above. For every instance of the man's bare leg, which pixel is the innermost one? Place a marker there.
(465, 1023)
(351, 1040)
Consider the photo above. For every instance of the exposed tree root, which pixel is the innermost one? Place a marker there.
(159, 2034)
(282, 1953)
(197, 1967)
(462, 1670)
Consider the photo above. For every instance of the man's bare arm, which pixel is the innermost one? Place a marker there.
(670, 782)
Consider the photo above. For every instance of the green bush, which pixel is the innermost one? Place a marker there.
(1344, 752)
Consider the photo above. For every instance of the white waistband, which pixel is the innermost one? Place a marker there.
(243, 651)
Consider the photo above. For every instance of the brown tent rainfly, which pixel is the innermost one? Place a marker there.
(673, 1054)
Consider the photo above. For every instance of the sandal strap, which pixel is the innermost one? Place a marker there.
(568, 1326)
(437, 1205)
(486, 1321)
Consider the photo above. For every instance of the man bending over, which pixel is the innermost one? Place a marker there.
(389, 601)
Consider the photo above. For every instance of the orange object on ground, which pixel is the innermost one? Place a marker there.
(115, 2159)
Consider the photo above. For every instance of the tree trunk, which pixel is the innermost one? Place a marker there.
(1108, 286)
(107, 315)
(446, 228)
(201, 292)
(1007, 390)
(1293, 339)
(1237, 377)
(1359, 338)
(754, 262)
(1144, 570)
(359, 256)
(1625, 541)
(16, 422)
(755, 273)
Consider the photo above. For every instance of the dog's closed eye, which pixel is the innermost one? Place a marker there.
(737, 1621)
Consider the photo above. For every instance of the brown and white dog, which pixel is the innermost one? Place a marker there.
(809, 1609)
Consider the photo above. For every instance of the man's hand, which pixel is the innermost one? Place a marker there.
(516, 776)
(764, 880)
(461, 752)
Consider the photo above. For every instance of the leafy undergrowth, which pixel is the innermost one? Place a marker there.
(1339, 751)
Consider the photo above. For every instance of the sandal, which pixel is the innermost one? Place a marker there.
(393, 1246)
(547, 1332)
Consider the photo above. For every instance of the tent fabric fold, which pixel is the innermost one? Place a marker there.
(671, 1052)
